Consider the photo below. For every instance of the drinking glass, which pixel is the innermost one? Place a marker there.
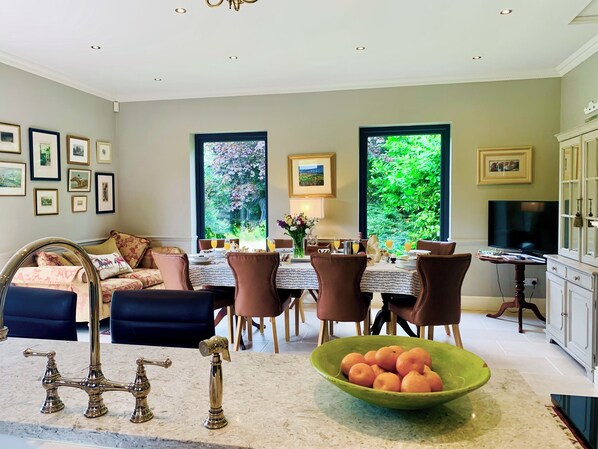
(214, 243)
(355, 246)
(388, 243)
(407, 246)
(226, 244)
(337, 243)
(271, 244)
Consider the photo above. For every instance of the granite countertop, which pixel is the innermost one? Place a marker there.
(270, 401)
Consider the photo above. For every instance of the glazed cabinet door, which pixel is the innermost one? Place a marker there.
(555, 308)
(590, 194)
(579, 319)
(570, 199)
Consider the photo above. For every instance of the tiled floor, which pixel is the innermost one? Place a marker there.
(546, 367)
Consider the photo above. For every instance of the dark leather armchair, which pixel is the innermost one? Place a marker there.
(340, 297)
(162, 317)
(256, 294)
(205, 244)
(438, 248)
(175, 274)
(439, 301)
(40, 313)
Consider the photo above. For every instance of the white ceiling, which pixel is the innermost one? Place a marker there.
(290, 45)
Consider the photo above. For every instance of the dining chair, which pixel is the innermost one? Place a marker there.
(205, 244)
(256, 294)
(40, 313)
(439, 300)
(175, 275)
(174, 318)
(340, 297)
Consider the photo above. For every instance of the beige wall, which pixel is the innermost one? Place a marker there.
(32, 101)
(579, 87)
(156, 148)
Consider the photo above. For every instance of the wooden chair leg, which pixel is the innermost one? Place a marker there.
(248, 320)
(422, 331)
(331, 327)
(261, 325)
(457, 334)
(239, 331)
(447, 329)
(301, 309)
(358, 328)
(322, 334)
(297, 312)
(367, 327)
(287, 331)
(393, 324)
(274, 334)
(231, 324)
(430, 332)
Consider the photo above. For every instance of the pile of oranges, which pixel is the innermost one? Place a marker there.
(392, 368)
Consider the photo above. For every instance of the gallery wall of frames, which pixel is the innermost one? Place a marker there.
(42, 163)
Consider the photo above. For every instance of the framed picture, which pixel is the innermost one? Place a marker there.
(103, 152)
(509, 165)
(312, 175)
(104, 193)
(79, 180)
(77, 150)
(10, 138)
(12, 179)
(46, 201)
(79, 203)
(44, 150)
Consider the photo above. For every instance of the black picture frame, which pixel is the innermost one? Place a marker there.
(44, 153)
(105, 193)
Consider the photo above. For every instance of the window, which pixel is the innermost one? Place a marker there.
(231, 186)
(404, 182)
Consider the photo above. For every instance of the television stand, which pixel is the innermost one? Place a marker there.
(519, 300)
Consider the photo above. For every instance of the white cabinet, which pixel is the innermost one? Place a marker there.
(571, 309)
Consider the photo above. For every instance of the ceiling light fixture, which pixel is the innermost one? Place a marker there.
(180, 10)
(157, 79)
(506, 12)
(233, 58)
(359, 48)
(95, 47)
(231, 3)
(477, 57)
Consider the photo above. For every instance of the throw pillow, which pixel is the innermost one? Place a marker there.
(106, 247)
(130, 246)
(47, 259)
(110, 265)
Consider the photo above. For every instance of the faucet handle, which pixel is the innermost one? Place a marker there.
(31, 353)
(53, 403)
(164, 364)
(140, 389)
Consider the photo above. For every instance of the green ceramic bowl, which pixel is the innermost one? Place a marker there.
(461, 371)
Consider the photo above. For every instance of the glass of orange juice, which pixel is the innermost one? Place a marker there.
(388, 243)
(271, 244)
(407, 246)
(214, 243)
(337, 243)
(226, 244)
(355, 246)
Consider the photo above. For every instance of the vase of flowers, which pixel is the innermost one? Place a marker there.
(297, 226)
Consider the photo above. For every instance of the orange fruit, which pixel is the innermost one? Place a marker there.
(362, 374)
(387, 382)
(409, 361)
(415, 382)
(434, 380)
(423, 355)
(349, 360)
(378, 370)
(370, 357)
(386, 357)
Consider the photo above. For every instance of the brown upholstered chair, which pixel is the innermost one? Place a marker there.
(175, 274)
(340, 297)
(283, 243)
(438, 248)
(256, 294)
(439, 301)
(205, 244)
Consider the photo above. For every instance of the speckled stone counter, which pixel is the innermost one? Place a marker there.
(271, 401)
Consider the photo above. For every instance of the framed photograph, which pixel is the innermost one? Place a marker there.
(12, 179)
(79, 203)
(10, 138)
(508, 165)
(46, 201)
(79, 180)
(312, 175)
(104, 193)
(77, 150)
(44, 150)
(103, 152)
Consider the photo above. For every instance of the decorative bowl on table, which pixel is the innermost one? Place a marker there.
(461, 371)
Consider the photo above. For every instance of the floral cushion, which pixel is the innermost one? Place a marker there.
(130, 246)
(110, 265)
(47, 259)
(148, 277)
(148, 258)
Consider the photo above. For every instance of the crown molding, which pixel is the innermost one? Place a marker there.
(586, 51)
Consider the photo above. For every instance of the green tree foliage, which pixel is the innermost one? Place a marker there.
(404, 187)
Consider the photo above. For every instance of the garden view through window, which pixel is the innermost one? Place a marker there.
(404, 183)
(232, 187)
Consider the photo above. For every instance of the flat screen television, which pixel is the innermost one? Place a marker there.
(527, 226)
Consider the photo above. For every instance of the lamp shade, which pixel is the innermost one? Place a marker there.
(312, 207)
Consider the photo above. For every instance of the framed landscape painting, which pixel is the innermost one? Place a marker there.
(103, 152)
(12, 179)
(10, 138)
(312, 175)
(507, 165)
(77, 150)
(44, 150)
(79, 203)
(79, 180)
(46, 201)
(104, 193)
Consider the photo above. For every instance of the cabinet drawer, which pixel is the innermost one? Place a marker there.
(555, 268)
(577, 277)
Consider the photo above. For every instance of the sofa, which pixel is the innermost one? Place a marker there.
(123, 261)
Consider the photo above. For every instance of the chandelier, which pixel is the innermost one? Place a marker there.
(231, 3)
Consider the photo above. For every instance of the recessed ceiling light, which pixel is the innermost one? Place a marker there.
(506, 12)
(477, 57)
(359, 48)
(157, 79)
(180, 10)
(233, 57)
(95, 47)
